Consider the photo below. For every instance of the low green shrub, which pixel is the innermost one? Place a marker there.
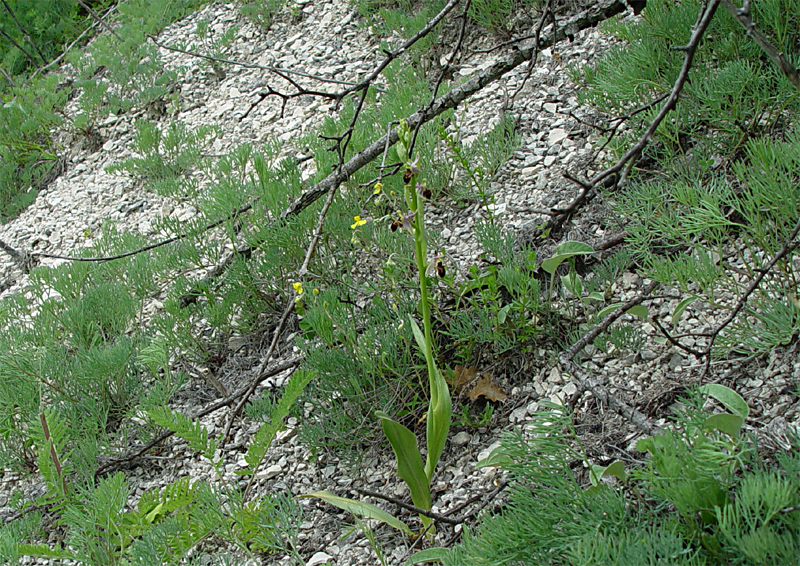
(701, 498)
(166, 156)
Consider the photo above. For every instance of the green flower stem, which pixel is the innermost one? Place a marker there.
(421, 249)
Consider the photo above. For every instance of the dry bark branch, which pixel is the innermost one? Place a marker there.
(622, 166)
(587, 382)
(742, 15)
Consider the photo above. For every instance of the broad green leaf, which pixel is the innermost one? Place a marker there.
(678, 312)
(639, 310)
(502, 314)
(731, 400)
(572, 283)
(361, 509)
(725, 422)
(409, 461)
(428, 555)
(565, 251)
(440, 411)
(155, 514)
(573, 247)
(418, 335)
(616, 469)
(593, 296)
(605, 311)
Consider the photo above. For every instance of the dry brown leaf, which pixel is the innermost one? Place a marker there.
(485, 387)
(461, 376)
(477, 385)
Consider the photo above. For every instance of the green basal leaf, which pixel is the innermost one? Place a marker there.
(502, 314)
(615, 469)
(679, 310)
(428, 555)
(731, 400)
(360, 509)
(725, 422)
(440, 412)
(594, 296)
(418, 335)
(572, 283)
(564, 252)
(639, 310)
(605, 311)
(409, 461)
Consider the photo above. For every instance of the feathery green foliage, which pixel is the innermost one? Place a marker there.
(686, 506)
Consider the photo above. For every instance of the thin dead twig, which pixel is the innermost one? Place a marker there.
(132, 455)
(24, 31)
(146, 248)
(788, 246)
(271, 69)
(288, 309)
(392, 55)
(78, 39)
(587, 382)
(99, 19)
(447, 519)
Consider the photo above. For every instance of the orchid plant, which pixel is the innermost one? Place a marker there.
(410, 466)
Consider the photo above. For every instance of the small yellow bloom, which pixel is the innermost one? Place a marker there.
(315, 292)
(358, 222)
(298, 287)
(378, 188)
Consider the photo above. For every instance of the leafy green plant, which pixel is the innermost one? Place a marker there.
(700, 498)
(27, 154)
(735, 92)
(404, 18)
(166, 156)
(497, 308)
(214, 45)
(500, 15)
(404, 443)
(34, 32)
(262, 12)
(697, 216)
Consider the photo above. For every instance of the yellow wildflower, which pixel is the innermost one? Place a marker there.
(378, 188)
(298, 287)
(358, 222)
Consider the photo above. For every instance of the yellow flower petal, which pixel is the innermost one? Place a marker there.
(298, 287)
(358, 222)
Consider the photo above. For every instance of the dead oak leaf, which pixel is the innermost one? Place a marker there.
(485, 387)
(476, 385)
